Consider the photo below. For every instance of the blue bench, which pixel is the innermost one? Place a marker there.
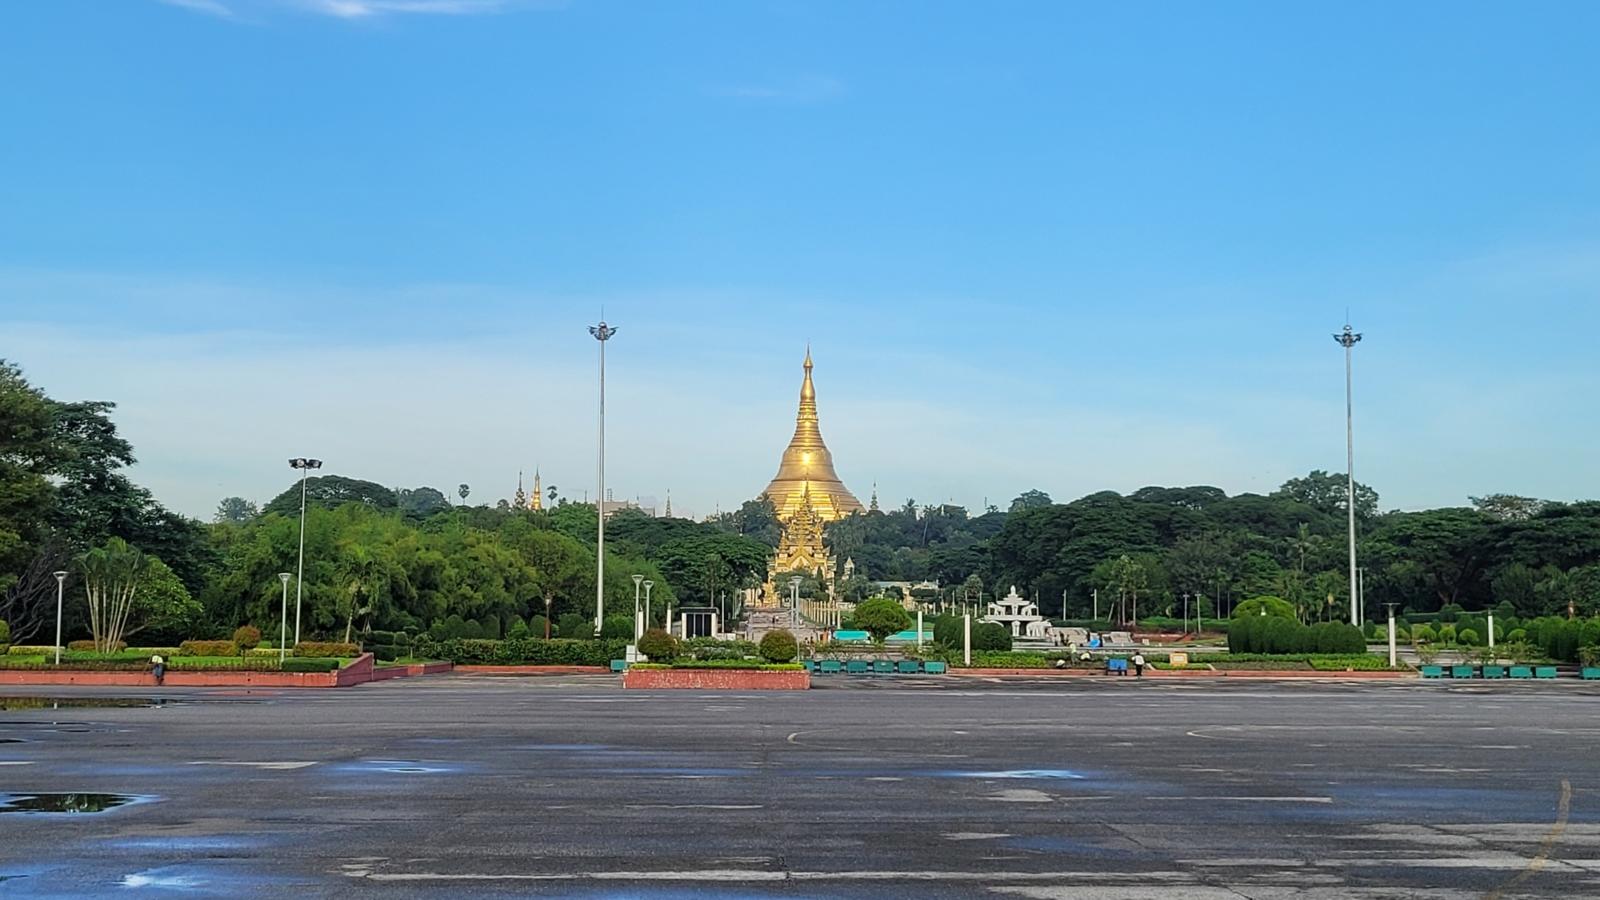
(1544, 672)
(1462, 671)
(1521, 672)
(937, 668)
(1432, 671)
(857, 667)
(1494, 671)
(883, 666)
(831, 667)
(908, 667)
(1116, 667)
(1590, 673)
(617, 665)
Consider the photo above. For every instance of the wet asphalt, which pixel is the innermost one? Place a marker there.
(454, 786)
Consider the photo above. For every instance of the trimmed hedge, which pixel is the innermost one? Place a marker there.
(659, 645)
(248, 637)
(208, 648)
(299, 664)
(529, 652)
(29, 650)
(736, 664)
(704, 648)
(326, 649)
(89, 645)
(1277, 635)
(779, 646)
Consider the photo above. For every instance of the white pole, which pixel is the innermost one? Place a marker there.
(647, 586)
(300, 579)
(1096, 615)
(966, 640)
(1348, 339)
(1391, 638)
(600, 499)
(283, 618)
(61, 580)
(919, 629)
(1491, 629)
(638, 623)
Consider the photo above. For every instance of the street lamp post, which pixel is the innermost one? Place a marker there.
(1348, 340)
(547, 598)
(1392, 651)
(794, 600)
(602, 333)
(283, 617)
(61, 589)
(638, 623)
(648, 584)
(305, 466)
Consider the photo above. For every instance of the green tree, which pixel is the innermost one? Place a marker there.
(1329, 493)
(111, 577)
(235, 510)
(329, 491)
(881, 618)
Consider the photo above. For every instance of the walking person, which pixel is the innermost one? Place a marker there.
(1138, 665)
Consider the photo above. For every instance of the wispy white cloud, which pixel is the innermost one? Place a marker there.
(359, 9)
(209, 7)
(801, 89)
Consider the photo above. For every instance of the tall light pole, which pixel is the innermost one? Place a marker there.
(638, 623)
(794, 600)
(1348, 340)
(548, 597)
(602, 333)
(305, 466)
(61, 589)
(648, 584)
(283, 617)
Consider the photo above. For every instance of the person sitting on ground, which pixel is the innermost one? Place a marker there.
(1138, 665)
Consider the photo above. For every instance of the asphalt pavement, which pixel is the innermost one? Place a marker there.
(456, 786)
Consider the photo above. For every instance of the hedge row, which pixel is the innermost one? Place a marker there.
(1278, 635)
(209, 648)
(326, 649)
(525, 652)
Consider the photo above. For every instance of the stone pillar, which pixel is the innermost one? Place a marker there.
(714, 629)
(966, 640)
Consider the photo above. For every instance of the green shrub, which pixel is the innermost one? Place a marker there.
(881, 617)
(659, 646)
(1447, 634)
(1450, 612)
(29, 650)
(617, 628)
(1275, 607)
(574, 626)
(779, 646)
(208, 648)
(326, 649)
(89, 646)
(248, 637)
(527, 652)
(536, 628)
(1589, 656)
(1517, 635)
(298, 664)
(991, 636)
(519, 629)
(1466, 637)
(5, 634)
(1423, 634)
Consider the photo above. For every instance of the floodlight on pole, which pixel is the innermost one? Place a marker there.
(638, 623)
(305, 466)
(61, 589)
(1348, 340)
(283, 617)
(602, 333)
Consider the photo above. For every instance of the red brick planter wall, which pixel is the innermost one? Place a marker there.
(716, 679)
(360, 671)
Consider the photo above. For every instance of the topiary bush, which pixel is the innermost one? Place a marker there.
(658, 645)
(1276, 607)
(575, 626)
(991, 637)
(617, 628)
(208, 648)
(1423, 633)
(248, 637)
(1467, 637)
(779, 646)
(5, 635)
(1517, 635)
(881, 617)
(309, 665)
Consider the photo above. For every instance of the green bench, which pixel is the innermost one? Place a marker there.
(883, 666)
(1432, 671)
(937, 668)
(857, 667)
(908, 667)
(617, 665)
(1521, 672)
(831, 667)
(810, 666)
(1463, 671)
(1544, 672)
(1590, 673)
(1494, 671)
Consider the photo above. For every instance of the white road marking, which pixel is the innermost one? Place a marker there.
(1250, 799)
(693, 806)
(1021, 795)
(276, 766)
(975, 835)
(15, 762)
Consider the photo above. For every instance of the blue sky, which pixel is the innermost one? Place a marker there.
(1073, 246)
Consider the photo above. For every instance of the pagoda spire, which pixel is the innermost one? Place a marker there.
(536, 499)
(805, 472)
(520, 499)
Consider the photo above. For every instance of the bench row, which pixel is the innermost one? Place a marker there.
(875, 667)
(1464, 671)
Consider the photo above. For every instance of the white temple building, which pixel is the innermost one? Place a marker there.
(1021, 615)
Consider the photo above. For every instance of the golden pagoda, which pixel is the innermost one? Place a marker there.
(806, 469)
(806, 495)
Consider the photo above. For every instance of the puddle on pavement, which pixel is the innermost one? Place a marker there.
(65, 803)
(23, 703)
(399, 767)
(1026, 774)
